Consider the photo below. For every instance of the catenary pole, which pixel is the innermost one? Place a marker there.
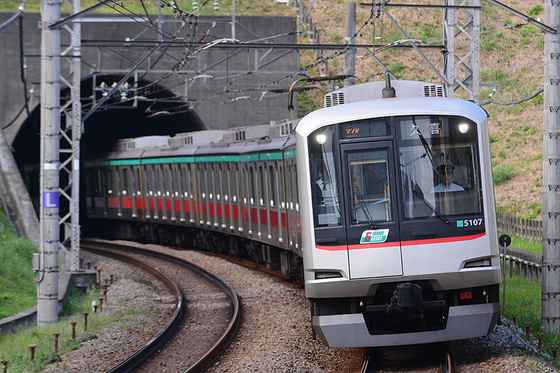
(550, 307)
(47, 280)
(350, 39)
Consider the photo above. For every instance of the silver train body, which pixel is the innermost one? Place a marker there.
(348, 198)
(401, 245)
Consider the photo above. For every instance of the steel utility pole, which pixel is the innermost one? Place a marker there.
(72, 133)
(469, 61)
(550, 308)
(47, 280)
(350, 39)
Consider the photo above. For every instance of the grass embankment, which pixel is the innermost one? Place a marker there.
(14, 347)
(524, 298)
(18, 292)
(17, 288)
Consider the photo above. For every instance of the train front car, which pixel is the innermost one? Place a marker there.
(398, 218)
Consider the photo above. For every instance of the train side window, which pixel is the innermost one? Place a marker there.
(150, 180)
(136, 181)
(97, 182)
(294, 188)
(262, 187)
(110, 181)
(281, 195)
(233, 175)
(226, 182)
(323, 173)
(189, 177)
(159, 180)
(272, 170)
(166, 182)
(124, 181)
(219, 189)
(252, 195)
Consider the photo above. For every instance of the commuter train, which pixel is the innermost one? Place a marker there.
(382, 201)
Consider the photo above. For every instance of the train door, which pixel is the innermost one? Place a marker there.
(372, 228)
(94, 184)
(292, 205)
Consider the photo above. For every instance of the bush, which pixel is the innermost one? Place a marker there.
(503, 174)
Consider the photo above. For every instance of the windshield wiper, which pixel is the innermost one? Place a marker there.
(364, 207)
(435, 210)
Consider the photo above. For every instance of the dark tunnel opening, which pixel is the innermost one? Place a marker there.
(112, 121)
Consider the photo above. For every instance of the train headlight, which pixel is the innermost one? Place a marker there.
(321, 139)
(463, 128)
(478, 263)
(325, 275)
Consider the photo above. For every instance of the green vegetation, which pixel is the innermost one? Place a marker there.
(18, 291)
(14, 345)
(242, 7)
(535, 11)
(532, 246)
(524, 299)
(503, 174)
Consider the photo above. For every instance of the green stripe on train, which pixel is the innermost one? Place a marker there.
(168, 160)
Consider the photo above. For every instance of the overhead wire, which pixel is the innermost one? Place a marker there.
(190, 53)
(19, 15)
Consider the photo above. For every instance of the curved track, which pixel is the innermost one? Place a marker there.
(156, 344)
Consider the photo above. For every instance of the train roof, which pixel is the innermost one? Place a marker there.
(410, 104)
(242, 140)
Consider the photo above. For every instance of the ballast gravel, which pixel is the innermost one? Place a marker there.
(275, 335)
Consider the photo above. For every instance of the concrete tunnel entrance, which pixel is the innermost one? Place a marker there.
(115, 119)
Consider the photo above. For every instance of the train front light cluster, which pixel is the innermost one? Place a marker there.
(478, 263)
(325, 275)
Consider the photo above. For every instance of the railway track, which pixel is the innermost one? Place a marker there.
(433, 358)
(184, 280)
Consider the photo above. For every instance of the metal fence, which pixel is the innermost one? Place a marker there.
(523, 228)
(521, 263)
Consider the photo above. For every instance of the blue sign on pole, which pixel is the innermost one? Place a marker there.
(50, 200)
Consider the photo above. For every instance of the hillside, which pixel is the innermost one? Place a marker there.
(511, 57)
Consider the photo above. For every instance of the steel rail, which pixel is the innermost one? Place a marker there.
(157, 342)
(447, 361)
(368, 364)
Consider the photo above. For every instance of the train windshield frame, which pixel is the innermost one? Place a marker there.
(426, 166)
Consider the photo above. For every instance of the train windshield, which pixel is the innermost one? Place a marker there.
(322, 148)
(439, 166)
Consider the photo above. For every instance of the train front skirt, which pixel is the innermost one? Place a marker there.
(350, 330)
